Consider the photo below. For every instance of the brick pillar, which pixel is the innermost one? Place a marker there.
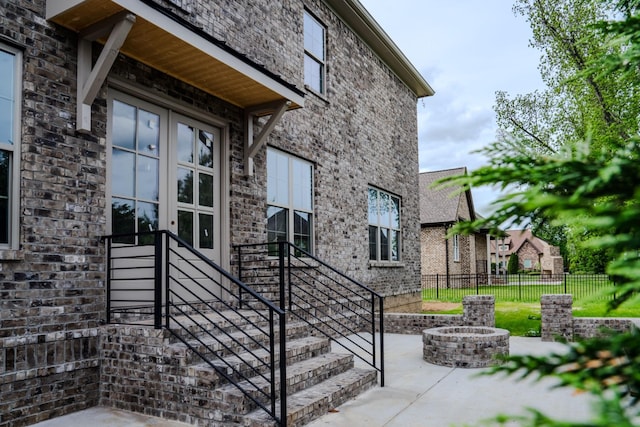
(479, 310)
(557, 317)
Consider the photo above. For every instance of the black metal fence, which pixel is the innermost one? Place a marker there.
(516, 287)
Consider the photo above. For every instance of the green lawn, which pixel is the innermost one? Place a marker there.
(523, 318)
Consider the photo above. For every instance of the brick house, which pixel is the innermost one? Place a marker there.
(440, 209)
(225, 123)
(534, 254)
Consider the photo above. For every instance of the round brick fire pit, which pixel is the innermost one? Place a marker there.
(464, 346)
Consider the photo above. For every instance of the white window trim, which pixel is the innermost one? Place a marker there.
(14, 148)
(323, 75)
(289, 207)
(380, 262)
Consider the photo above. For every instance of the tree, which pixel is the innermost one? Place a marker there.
(513, 264)
(581, 103)
(592, 185)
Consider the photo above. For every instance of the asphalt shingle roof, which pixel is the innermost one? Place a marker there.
(439, 205)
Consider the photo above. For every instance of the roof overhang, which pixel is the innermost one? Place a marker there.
(174, 46)
(362, 23)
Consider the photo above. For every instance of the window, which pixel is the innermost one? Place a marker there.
(134, 177)
(10, 89)
(314, 51)
(527, 263)
(289, 200)
(384, 226)
(456, 248)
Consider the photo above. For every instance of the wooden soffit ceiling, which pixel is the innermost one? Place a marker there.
(162, 42)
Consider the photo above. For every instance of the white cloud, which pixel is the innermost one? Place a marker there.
(467, 50)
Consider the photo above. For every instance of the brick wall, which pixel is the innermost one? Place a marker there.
(433, 250)
(478, 310)
(558, 321)
(363, 132)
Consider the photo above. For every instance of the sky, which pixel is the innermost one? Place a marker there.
(467, 50)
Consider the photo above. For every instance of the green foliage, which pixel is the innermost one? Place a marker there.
(583, 173)
(513, 264)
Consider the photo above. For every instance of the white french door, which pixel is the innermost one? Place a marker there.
(164, 174)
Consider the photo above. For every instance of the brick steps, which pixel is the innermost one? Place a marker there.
(317, 380)
(300, 375)
(313, 402)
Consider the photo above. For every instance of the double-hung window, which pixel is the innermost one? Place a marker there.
(456, 248)
(384, 226)
(314, 54)
(289, 200)
(10, 89)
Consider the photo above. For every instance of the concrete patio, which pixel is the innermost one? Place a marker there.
(416, 393)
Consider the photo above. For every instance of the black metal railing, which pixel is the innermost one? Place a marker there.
(157, 278)
(313, 292)
(516, 287)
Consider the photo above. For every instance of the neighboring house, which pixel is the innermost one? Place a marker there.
(534, 254)
(226, 123)
(440, 209)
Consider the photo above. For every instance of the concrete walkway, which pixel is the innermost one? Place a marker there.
(416, 393)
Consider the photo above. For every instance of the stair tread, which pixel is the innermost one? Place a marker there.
(296, 369)
(291, 345)
(321, 397)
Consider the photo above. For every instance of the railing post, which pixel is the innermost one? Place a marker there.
(564, 279)
(108, 279)
(381, 341)
(289, 250)
(283, 370)
(437, 288)
(281, 247)
(157, 278)
(167, 282)
(240, 278)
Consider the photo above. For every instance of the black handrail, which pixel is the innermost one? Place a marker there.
(314, 292)
(177, 283)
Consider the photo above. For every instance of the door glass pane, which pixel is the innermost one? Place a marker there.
(147, 216)
(185, 226)
(383, 208)
(6, 121)
(147, 221)
(277, 178)
(313, 73)
(205, 149)
(124, 125)
(205, 190)
(302, 230)
(206, 231)
(123, 173)
(276, 224)
(123, 219)
(373, 206)
(384, 244)
(7, 67)
(301, 185)
(313, 36)
(373, 243)
(185, 185)
(395, 212)
(148, 133)
(5, 171)
(185, 143)
(147, 183)
(394, 245)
